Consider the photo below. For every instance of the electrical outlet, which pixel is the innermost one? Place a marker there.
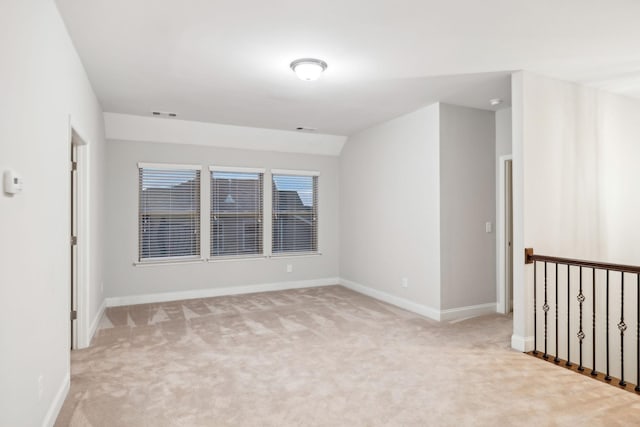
(289, 268)
(40, 386)
(405, 282)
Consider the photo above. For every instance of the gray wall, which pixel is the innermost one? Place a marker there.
(389, 215)
(124, 279)
(467, 202)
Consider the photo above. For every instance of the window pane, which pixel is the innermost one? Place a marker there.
(169, 216)
(236, 213)
(295, 213)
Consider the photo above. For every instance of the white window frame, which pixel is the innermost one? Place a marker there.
(175, 259)
(293, 172)
(209, 213)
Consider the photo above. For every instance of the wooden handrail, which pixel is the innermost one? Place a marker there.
(530, 257)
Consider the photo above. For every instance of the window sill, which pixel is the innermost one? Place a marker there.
(296, 255)
(177, 261)
(173, 261)
(237, 258)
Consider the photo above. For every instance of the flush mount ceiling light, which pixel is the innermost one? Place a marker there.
(495, 102)
(308, 69)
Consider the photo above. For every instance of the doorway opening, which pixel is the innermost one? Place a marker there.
(505, 236)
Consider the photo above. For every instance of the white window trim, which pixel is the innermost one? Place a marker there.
(168, 261)
(169, 166)
(295, 254)
(234, 169)
(239, 257)
(294, 172)
(174, 260)
(205, 210)
(281, 255)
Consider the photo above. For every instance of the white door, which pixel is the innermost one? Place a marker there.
(74, 245)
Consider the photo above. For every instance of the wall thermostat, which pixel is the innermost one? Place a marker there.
(12, 182)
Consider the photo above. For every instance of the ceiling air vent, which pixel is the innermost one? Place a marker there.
(305, 129)
(163, 114)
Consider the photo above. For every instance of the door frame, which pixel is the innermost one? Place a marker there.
(502, 291)
(80, 143)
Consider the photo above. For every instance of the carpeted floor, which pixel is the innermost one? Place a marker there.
(321, 357)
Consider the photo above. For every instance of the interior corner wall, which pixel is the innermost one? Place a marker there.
(129, 283)
(389, 208)
(43, 84)
(467, 203)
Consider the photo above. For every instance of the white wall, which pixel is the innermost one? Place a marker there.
(152, 129)
(389, 207)
(503, 132)
(522, 288)
(467, 202)
(575, 158)
(618, 157)
(126, 283)
(42, 82)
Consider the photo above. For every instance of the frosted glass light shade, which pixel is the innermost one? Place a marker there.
(308, 69)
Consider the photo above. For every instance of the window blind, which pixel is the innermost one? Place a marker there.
(169, 213)
(294, 213)
(236, 213)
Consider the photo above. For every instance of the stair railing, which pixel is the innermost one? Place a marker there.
(563, 333)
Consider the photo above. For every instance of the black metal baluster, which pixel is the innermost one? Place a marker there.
(568, 316)
(607, 377)
(545, 308)
(544, 351)
(622, 327)
(581, 335)
(556, 359)
(638, 333)
(593, 324)
(535, 308)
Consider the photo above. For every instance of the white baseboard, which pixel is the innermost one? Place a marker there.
(523, 344)
(96, 321)
(58, 401)
(216, 292)
(469, 311)
(404, 303)
(421, 309)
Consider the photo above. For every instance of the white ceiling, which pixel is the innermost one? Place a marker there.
(228, 61)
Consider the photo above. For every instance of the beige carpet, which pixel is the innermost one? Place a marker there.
(321, 357)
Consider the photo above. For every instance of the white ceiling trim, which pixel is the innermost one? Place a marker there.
(126, 127)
